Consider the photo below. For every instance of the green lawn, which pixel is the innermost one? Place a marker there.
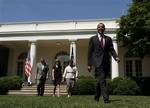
(73, 102)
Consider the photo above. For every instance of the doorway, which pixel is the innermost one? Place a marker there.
(20, 65)
(4, 55)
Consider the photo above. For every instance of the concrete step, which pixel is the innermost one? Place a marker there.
(32, 90)
(26, 93)
(46, 88)
(48, 91)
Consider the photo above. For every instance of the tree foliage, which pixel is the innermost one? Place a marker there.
(134, 31)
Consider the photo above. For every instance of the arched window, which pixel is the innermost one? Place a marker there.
(20, 64)
(22, 56)
(63, 57)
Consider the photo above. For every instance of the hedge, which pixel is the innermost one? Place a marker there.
(118, 86)
(85, 85)
(10, 83)
(144, 84)
(124, 86)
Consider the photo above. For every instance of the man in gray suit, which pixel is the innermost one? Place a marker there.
(99, 50)
(41, 75)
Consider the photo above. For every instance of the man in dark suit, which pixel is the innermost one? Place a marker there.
(99, 50)
(41, 75)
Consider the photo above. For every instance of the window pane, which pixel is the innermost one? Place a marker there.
(129, 68)
(138, 68)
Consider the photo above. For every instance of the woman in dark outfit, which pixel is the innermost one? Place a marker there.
(57, 76)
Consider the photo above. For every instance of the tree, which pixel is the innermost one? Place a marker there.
(134, 31)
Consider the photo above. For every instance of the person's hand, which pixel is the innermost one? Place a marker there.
(89, 68)
(117, 59)
(76, 79)
(52, 78)
(47, 77)
(63, 79)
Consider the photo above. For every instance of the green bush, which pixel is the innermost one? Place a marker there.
(124, 86)
(143, 83)
(15, 83)
(3, 86)
(110, 85)
(118, 86)
(85, 85)
(10, 83)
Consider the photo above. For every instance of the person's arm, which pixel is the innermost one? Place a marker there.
(76, 72)
(113, 52)
(76, 77)
(36, 72)
(90, 53)
(47, 76)
(53, 74)
(64, 74)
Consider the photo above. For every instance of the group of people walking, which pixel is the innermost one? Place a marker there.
(69, 75)
(99, 51)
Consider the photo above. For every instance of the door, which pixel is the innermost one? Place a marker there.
(4, 55)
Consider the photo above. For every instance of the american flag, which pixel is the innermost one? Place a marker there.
(28, 67)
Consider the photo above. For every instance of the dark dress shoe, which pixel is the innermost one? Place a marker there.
(96, 99)
(106, 101)
(29, 84)
(41, 94)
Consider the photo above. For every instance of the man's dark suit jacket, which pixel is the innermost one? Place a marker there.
(44, 73)
(98, 55)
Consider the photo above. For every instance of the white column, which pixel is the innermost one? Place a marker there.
(33, 59)
(70, 49)
(114, 64)
(73, 49)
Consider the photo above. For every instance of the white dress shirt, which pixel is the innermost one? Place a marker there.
(70, 72)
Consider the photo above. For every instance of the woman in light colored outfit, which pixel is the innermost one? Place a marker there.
(70, 74)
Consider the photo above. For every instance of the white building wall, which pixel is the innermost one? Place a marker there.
(121, 53)
(48, 34)
(146, 67)
(11, 66)
(49, 51)
(82, 51)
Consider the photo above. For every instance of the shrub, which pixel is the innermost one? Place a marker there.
(118, 86)
(143, 83)
(84, 86)
(110, 85)
(124, 86)
(14, 83)
(3, 86)
(9, 83)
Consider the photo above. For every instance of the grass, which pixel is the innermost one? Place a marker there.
(7, 101)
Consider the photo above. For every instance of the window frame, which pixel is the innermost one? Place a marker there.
(134, 68)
